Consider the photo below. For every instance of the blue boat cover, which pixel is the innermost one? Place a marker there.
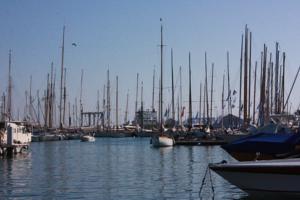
(265, 143)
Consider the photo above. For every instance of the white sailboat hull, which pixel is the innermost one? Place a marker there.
(162, 141)
(88, 138)
(263, 177)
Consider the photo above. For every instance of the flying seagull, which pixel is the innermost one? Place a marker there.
(74, 44)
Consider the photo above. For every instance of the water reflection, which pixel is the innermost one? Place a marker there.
(117, 168)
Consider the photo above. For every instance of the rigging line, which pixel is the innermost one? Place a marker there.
(203, 182)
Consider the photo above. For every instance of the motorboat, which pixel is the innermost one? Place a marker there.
(271, 177)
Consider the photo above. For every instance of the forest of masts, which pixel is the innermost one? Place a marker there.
(271, 95)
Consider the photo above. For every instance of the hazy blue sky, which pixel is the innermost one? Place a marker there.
(123, 35)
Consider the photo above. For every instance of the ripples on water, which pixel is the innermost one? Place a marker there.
(112, 168)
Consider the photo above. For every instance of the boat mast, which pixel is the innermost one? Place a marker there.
(173, 100)
(136, 96)
(276, 79)
(38, 107)
(222, 103)
(180, 98)
(254, 95)
(126, 111)
(249, 84)
(190, 119)
(153, 88)
(211, 91)
(61, 78)
(9, 93)
(161, 77)
(80, 100)
(69, 108)
(282, 82)
(30, 99)
(229, 92)
(200, 101)
(98, 107)
(46, 103)
(246, 78)
(142, 105)
(178, 110)
(65, 95)
(103, 107)
(51, 98)
(117, 103)
(206, 92)
(241, 72)
(108, 101)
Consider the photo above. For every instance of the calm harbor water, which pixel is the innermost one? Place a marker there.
(113, 168)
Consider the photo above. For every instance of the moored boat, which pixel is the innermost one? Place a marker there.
(264, 146)
(87, 138)
(162, 141)
(272, 177)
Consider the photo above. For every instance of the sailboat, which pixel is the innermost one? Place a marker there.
(162, 139)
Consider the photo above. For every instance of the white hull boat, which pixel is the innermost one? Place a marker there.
(88, 138)
(162, 141)
(272, 177)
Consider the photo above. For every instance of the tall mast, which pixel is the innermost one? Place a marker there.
(246, 78)
(272, 89)
(30, 99)
(61, 78)
(200, 101)
(9, 93)
(276, 79)
(178, 110)
(206, 91)
(161, 77)
(241, 72)
(53, 114)
(204, 102)
(249, 74)
(142, 105)
(222, 103)
(153, 88)
(263, 89)
(108, 101)
(47, 104)
(268, 92)
(76, 112)
(51, 97)
(180, 98)
(117, 103)
(80, 100)
(38, 107)
(211, 91)
(190, 120)
(229, 93)
(136, 94)
(69, 108)
(98, 107)
(65, 96)
(173, 103)
(126, 110)
(254, 95)
(282, 82)
(103, 106)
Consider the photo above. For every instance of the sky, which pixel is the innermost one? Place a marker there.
(124, 36)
